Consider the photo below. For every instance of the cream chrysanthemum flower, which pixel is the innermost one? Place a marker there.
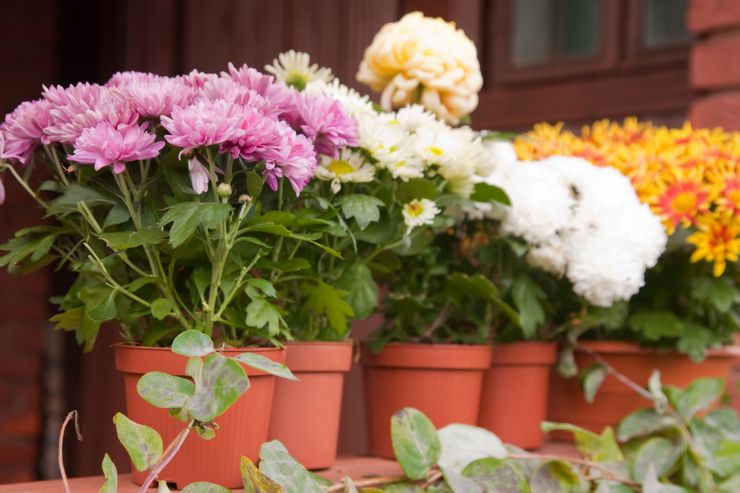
(420, 59)
(294, 68)
(419, 213)
(349, 167)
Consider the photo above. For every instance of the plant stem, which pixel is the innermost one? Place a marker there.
(608, 473)
(172, 449)
(25, 185)
(72, 415)
(368, 483)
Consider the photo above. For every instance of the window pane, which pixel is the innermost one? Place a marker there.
(665, 23)
(547, 31)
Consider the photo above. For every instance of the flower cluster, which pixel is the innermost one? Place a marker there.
(581, 221)
(407, 144)
(420, 59)
(244, 112)
(689, 177)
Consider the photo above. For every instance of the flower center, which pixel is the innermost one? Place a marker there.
(734, 197)
(684, 202)
(340, 167)
(297, 80)
(414, 209)
(435, 150)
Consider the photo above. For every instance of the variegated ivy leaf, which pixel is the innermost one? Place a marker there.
(266, 364)
(220, 383)
(254, 481)
(143, 444)
(192, 343)
(277, 464)
(163, 390)
(111, 476)
(415, 442)
(204, 487)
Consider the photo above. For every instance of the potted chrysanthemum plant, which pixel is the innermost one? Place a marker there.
(165, 198)
(431, 351)
(685, 314)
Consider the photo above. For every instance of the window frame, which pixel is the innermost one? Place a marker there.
(637, 55)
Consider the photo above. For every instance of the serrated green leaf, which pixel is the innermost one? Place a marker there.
(118, 214)
(163, 390)
(263, 285)
(143, 444)
(415, 442)
(656, 324)
(265, 364)
(131, 239)
(363, 208)
(192, 343)
(73, 195)
(222, 382)
(161, 307)
(362, 292)
(187, 216)
(324, 300)
(262, 313)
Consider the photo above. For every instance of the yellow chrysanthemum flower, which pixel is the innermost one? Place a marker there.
(717, 239)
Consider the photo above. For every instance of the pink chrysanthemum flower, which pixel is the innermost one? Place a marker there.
(277, 93)
(197, 79)
(105, 145)
(259, 137)
(323, 120)
(232, 92)
(199, 178)
(84, 106)
(24, 128)
(153, 96)
(203, 123)
(294, 159)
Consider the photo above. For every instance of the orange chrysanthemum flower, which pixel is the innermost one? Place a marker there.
(717, 240)
(681, 203)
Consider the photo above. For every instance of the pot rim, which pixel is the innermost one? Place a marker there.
(627, 347)
(319, 356)
(427, 356)
(524, 353)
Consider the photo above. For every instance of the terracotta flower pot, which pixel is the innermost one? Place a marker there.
(305, 414)
(615, 400)
(515, 388)
(242, 429)
(441, 380)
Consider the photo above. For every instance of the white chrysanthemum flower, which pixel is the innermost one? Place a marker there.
(294, 68)
(349, 167)
(419, 212)
(354, 103)
(415, 117)
(582, 221)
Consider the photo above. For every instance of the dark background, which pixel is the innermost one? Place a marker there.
(569, 60)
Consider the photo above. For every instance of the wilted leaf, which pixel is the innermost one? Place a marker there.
(254, 481)
(591, 380)
(554, 477)
(266, 364)
(163, 390)
(415, 442)
(143, 444)
(192, 343)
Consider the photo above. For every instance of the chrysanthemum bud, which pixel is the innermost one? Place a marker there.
(224, 190)
(244, 198)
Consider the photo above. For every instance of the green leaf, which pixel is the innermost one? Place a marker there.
(254, 481)
(656, 324)
(657, 452)
(591, 380)
(325, 300)
(263, 285)
(415, 442)
(163, 390)
(483, 192)
(255, 184)
(362, 292)
(187, 216)
(528, 297)
(100, 302)
(73, 195)
(262, 313)
(111, 476)
(221, 383)
(363, 208)
(651, 484)
(192, 343)
(204, 487)
(556, 476)
(277, 464)
(265, 364)
(161, 307)
(118, 214)
(731, 484)
(721, 292)
(598, 447)
(476, 285)
(416, 188)
(462, 444)
(726, 459)
(495, 475)
(698, 396)
(132, 239)
(643, 422)
(143, 444)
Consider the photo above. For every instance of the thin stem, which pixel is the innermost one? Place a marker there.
(368, 483)
(608, 473)
(52, 153)
(172, 449)
(72, 415)
(25, 185)
(616, 374)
